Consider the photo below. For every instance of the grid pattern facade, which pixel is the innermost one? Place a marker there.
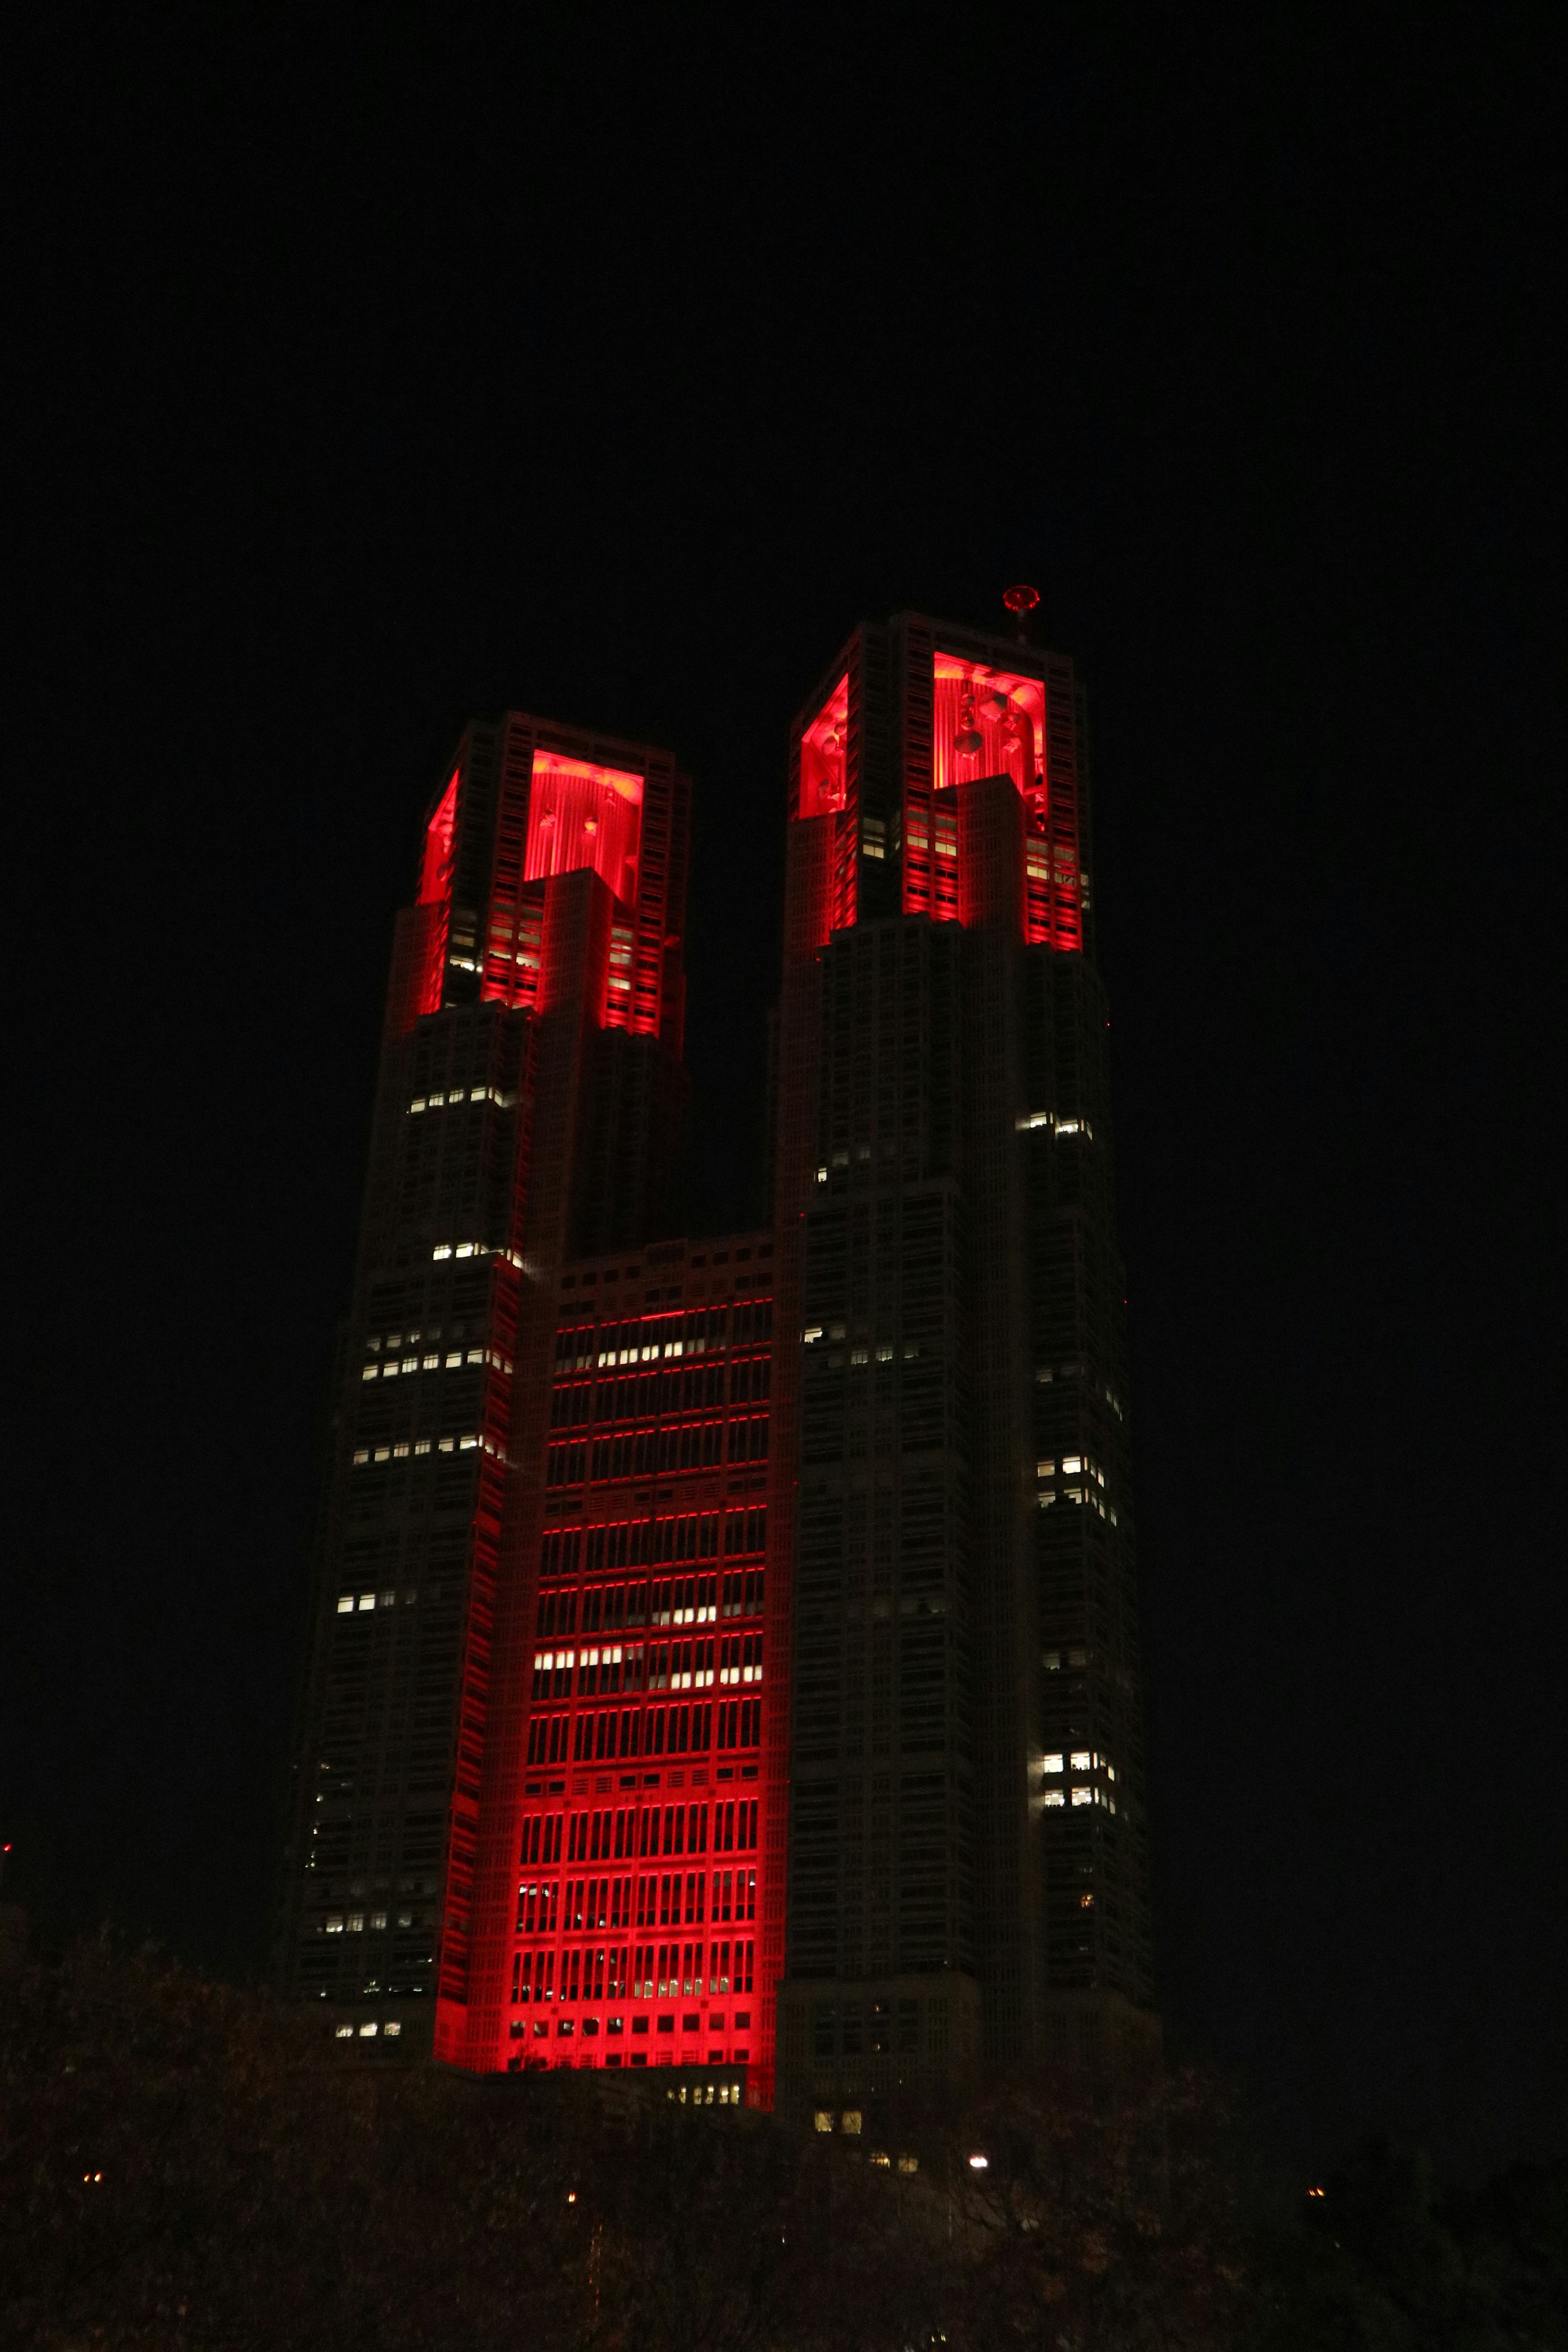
(643, 1862)
(968, 1868)
(528, 1106)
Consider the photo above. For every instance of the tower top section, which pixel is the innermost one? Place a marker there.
(526, 803)
(910, 714)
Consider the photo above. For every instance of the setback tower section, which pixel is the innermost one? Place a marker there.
(951, 1584)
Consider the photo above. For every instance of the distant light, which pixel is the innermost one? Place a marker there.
(571, 2197)
(1314, 2193)
(978, 2163)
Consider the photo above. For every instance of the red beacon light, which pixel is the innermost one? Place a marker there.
(1021, 601)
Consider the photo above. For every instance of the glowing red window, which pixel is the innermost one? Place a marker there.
(581, 815)
(822, 750)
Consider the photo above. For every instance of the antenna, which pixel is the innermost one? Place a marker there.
(1021, 601)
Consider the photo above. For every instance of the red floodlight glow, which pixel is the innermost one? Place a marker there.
(822, 755)
(583, 815)
(1021, 600)
(435, 867)
(986, 722)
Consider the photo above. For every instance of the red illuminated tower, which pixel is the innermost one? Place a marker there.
(951, 1573)
(538, 1647)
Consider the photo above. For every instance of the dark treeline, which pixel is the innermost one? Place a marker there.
(188, 2164)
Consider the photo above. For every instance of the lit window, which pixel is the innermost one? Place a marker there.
(392, 2028)
(367, 2030)
(389, 1372)
(1051, 1764)
(378, 1918)
(356, 1923)
(465, 1249)
(417, 1104)
(367, 1601)
(1110, 1770)
(1083, 1796)
(823, 2120)
(389, 1600)
(430, 1363)
(878, 2156)
(1045, 1469)
(445, 1445)
(400, 1453)
(1081, 1759)
(335, 1924)
(466, 1445)
(1054, 1797)
(857, 1355)
(1072, 1464)
(476, 1355)
(344, 2032)
(884, 1356)
(454, 1360)
(442, 1249)
(370, 1372)
(812, 1333)
(852, 2122)
(909, 2164)
(1034, 1119)
(345, 1605)
(822, 1175)
(422, 1445)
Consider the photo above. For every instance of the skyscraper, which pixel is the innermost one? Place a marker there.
(952, 1573)
(529, 1107)
(726, 1652)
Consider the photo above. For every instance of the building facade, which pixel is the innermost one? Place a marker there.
(951, 1511)
(726, 1652)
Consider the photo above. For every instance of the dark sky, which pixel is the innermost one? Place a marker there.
(366, 376)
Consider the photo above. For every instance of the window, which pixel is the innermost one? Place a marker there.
(1051, 1763)
(1081, 1759)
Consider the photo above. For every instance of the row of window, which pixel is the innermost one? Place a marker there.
(675, 1601)
(477, 1249)
(368, 2031)
(453, 1095)
(617, 1833)
(656, 1452)
(640, 1972)
(648, 1731)
(457, 1359)
(349, 1605)
(670, 1899)
(354, 1923)
(421, 1446)
(1082, 1495)
(662, 1338)
(603, 1667)
(1055, 1800)
(1030, 1119)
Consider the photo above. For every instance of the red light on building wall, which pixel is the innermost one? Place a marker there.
(434, 898)
(823, 749)
(435, 867)
(582, 814)
(987, 723)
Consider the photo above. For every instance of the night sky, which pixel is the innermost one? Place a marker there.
(364, 376)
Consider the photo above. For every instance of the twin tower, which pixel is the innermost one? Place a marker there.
(725, 1652)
